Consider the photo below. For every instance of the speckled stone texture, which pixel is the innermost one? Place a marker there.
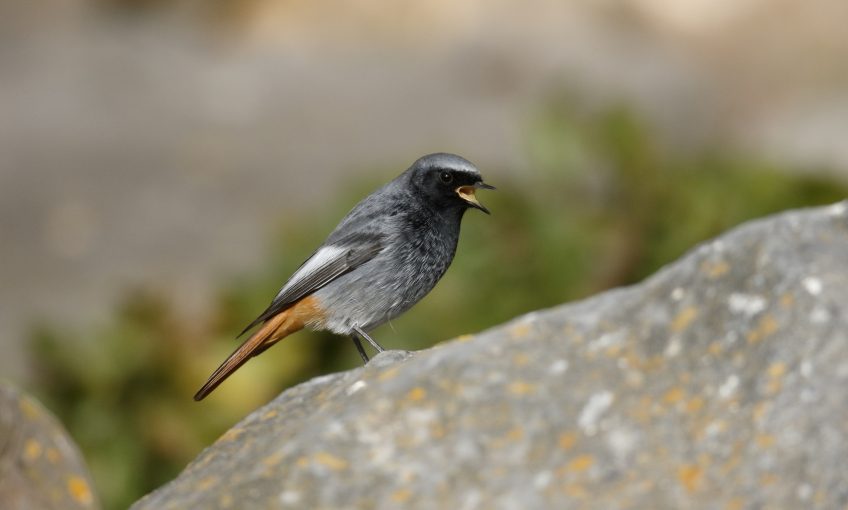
(718, 383)
(40, 467)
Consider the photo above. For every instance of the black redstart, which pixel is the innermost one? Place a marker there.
(384, 256)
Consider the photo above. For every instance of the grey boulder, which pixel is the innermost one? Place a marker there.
(718, 383)
(40, 466)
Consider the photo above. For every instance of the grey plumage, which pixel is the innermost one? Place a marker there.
(385, 255)
(418, 239)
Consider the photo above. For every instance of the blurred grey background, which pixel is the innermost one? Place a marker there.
(159, 142)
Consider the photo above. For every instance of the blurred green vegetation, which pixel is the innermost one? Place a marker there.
(605, 205)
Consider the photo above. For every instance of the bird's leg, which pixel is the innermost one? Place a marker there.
(370, 340)
(359, 348)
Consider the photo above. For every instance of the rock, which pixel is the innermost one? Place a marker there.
(40, 466)
(717, 383)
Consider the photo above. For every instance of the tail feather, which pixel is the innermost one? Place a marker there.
(275, 329)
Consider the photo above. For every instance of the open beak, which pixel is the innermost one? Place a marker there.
(468, 193)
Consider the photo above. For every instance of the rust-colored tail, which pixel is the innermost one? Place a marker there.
(273, 330)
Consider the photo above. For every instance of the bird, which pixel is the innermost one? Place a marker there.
(383, 257)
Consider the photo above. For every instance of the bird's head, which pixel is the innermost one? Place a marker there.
(448, 181)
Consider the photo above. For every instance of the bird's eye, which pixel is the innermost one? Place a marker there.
(446, 177)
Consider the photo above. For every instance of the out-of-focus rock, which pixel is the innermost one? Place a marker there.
(40, 466)
(717, 383)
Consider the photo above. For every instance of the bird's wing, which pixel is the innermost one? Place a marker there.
(325, 265)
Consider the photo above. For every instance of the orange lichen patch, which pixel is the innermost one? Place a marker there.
(437, 430)
(735, 504)
(787, 300)
(715, 348)
(738, 358)
(520, 330)
(521, 388)
(206, 483)
(759, 411)
(683, 319)
(29, 408)
(631, 359)
(520, 359)
(674, 395)
(576, 491)
(515, 434)
(499, 472)
(576, 338)
(765, 327)
(330, 461)
(302, 462)
(773, 386)
(416, 394)
(735, 459)
(777, 369)
(567, 440)
(634, 379)
(231, 435)
(694, 405)
(690, 476)
(273, 459)
(580, 463)
(653, 364)
(642, 412)
(613, 350)
(764, 440)
(401, 496)
(269, 414)
(32, 449)
(715, 268)
(204, 459)
(464, 338)
(79, 490)
(53, 455)
(447, 385)
(775, 381)
(391, 373)
(768, 479)
(699, 429)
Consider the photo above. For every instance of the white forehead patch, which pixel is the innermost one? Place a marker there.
(470, 170)
(445, 161)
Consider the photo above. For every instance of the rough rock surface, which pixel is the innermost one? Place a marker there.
(718, 383)
(40, 466)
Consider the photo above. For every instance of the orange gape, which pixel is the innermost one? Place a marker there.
(304, 312)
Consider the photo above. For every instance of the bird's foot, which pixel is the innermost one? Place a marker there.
(360, 349)
(363, 334)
